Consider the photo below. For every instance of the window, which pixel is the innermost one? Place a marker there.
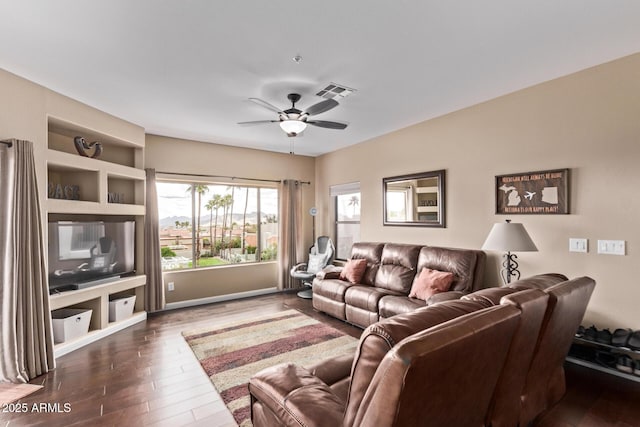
(204, 225)
(399, 205)
(347, 214)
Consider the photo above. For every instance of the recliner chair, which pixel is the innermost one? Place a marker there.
(320, 255)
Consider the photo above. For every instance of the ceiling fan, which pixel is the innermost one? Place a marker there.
(294, 121)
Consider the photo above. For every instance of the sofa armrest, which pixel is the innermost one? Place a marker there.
(445, 296)
(296, 397)
(299, 267)
(329, 272)
(333, 370)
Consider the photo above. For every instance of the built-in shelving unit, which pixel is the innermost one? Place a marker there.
(96, 189)
(427, 199)
(609, 348)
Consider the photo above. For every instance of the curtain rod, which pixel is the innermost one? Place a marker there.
(9, 143)
(225, 176)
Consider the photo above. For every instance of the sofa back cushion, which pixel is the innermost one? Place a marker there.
(372, 252)
(398, 267)
(442, 376)
(467, 265)
(545, 382)
(505, 409)
(380, 337)
(539, 281)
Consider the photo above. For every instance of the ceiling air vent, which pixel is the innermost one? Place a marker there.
(335, 91)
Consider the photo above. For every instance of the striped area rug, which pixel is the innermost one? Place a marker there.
(232, 353)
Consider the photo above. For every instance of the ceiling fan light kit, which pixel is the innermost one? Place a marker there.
(294, 121)
(293, 127)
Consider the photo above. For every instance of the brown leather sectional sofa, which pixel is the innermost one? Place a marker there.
(390, 273)
(492, 358)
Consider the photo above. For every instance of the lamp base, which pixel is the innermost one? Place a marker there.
(509, 268)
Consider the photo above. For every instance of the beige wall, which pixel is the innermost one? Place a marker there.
(588, 122)
(183, 156)
(213, 282)
(26, 107)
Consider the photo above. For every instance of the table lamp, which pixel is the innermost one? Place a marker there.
(509, 237)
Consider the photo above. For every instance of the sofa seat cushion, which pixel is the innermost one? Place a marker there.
(360, 317)
(333, 289)
(390, 305)
(329, 306)
(366, 297)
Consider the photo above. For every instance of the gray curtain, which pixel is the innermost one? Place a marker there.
(290, 250)
(154, 291)
(26, 343)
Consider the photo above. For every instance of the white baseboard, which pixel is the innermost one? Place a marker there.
(219, 298)
(92, 336)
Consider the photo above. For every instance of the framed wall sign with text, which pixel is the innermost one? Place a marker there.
(543, 192)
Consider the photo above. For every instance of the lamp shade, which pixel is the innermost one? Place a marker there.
(293, 126)
(509, 237)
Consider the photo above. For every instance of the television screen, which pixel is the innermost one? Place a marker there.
(83, 253)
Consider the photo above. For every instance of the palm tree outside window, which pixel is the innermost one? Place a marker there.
(347, 202)
(206, 225)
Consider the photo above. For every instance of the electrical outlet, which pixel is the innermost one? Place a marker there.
(578, 245)
(612, 247)
(170, 286)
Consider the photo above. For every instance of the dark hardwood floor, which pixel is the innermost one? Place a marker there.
(147, 375)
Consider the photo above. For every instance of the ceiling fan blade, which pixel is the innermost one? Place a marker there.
(265, 104)
(326, 124)
(322, 106)
(257, 122)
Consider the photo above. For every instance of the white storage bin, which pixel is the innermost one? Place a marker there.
(70, 323)
(121, 308)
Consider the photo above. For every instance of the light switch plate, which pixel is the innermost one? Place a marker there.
(612, 247)
(578, 245)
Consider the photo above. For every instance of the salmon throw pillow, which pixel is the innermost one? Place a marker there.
(353, 270)
(430, 282)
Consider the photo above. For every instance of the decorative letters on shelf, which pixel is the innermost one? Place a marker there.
(115, 197)
(65, 192)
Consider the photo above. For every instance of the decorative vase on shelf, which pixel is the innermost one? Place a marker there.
(82, 146)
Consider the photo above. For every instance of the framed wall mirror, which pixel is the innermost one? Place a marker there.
(415, 200)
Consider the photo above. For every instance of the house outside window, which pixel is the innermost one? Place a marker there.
(207, 225)
(346, 199)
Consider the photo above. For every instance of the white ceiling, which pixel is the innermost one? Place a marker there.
(185, 68)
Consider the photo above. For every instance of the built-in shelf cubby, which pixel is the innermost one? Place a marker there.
(71, 183)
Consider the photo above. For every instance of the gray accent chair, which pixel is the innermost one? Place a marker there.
(320, 255)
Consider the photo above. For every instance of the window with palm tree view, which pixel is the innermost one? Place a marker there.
(347, 223)
(207, 225)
